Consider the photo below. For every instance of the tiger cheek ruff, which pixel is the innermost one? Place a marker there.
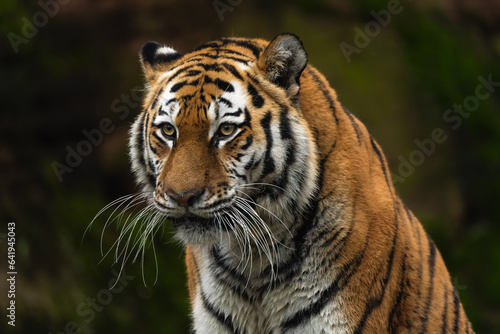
(282, 198)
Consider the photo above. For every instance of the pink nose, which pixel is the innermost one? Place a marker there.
(185, 199)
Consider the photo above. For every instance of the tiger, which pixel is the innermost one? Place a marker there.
(281, 198)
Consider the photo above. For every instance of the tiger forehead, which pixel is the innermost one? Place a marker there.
(200, 99)
(209, 82)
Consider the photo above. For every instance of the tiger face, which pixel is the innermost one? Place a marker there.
(221, 142)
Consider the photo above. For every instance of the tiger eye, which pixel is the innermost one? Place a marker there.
(168, 130)
(227, 129)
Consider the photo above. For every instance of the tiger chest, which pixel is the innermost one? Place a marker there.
(226, 304)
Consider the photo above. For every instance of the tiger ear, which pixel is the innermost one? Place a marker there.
(283, 61)
(156, 59)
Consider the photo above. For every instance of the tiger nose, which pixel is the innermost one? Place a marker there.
(185, 199)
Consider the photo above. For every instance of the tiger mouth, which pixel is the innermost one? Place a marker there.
(194, 221)
(191, 220)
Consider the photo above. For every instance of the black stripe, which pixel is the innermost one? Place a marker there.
(221, 263)
(269, 165)
(139, 140)
(257, 100)
(354, 125)
(151, 144)
(290, 155)
(216, 108)
(144, 141)
(280, 184)
(234, 53)
(151, 166)
(325, 91)
(179, 71)
(155, 101)
(248, 143)
(170, 101)
(456, 311)
(183, 69)
(189, 68)
(410, 218)
(177, 86)
(153, 149)
(326, 295)
(431, 263)
(283, 180)
(236, 288)
(285, 128)
(153, 105)
(224, 85)
(162, 112)
(289, 268)
(233, 70)
(333, 253)
(248, 118)
(161, 140)
(239, 60)
(192, 60)
(382, 164)
(238, 157)
(148, 143)
(375, 302)
(250, 164)
(399, 297)
(328, 242)
(416, 233)
(444, 326)
(235, 114)
(210, 67)
(225, 101)
(233, 140)
(191, 73)
(419, 240)
(219, 56)
(151, 179)
(224, 319)
(322, 164)
(245, 44)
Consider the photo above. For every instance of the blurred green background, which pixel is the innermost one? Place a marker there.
(77, 65)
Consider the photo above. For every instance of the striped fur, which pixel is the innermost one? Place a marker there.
(291, 222)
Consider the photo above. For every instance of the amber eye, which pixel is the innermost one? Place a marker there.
(168, 130)
(226, 129)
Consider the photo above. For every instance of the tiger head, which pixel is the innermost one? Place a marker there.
(222, 141)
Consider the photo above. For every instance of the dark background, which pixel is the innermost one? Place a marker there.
(78, 71)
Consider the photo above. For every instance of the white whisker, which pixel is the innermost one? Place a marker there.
(137, 230)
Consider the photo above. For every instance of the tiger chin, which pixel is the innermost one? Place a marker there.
(282, 198)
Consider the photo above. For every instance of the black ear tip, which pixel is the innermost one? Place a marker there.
(290, 35)
(148, 51)
(292, 42)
